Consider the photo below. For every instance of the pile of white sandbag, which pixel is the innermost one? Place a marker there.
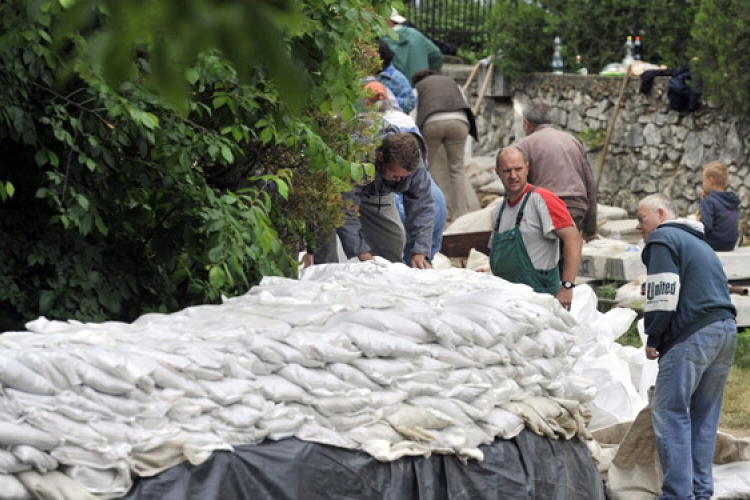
(376, 356)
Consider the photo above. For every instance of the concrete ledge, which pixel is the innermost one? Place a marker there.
(743, 310)
(736, 263)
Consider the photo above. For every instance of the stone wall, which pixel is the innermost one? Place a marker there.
(652, 148)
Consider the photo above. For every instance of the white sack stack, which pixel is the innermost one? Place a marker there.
(376, 356)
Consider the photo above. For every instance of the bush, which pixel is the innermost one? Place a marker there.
(742, 354)
(121, 202)
(722, 50)
(590, 28)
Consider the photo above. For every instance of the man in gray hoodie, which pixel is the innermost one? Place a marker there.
(690, 323)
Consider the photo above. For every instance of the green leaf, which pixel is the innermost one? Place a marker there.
(191, 75)
(83, 201)
(216, 277)
(266, 135)
(283, 188)
(46, 301)
(227, 154)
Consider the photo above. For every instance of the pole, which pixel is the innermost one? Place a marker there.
(612, 126)
(471, 77)
(486, 83)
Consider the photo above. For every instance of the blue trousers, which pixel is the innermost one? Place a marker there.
(686, 406)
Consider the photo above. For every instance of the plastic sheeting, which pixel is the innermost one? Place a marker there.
(525, 467)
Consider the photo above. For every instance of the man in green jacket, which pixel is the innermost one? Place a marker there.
(412, 50)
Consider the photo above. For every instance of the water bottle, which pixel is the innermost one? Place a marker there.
(580, 69)
(638, 49)
(557, 63)
(628, 60)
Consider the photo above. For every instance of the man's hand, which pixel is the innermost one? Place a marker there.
(365, 256)
(307, 261)
(565, 297)
(652, 353)
(419, 261)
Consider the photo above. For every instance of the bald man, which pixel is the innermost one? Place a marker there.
(524, 245)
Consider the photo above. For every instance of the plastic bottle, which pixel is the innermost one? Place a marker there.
(557, 62)
(580, 69)
(637, 49)
(628, 59)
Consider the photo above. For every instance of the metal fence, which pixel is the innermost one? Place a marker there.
(453, 24)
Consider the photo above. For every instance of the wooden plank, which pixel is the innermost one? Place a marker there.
(458, 246)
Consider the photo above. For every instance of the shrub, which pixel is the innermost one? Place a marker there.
(722, 50)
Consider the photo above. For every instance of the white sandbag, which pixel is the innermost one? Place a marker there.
(10, 464)
(40, 460)
(470, 331)
(59, 425)
(118, 405)
(17, 375)
(416, 388)
(55, 485)
(13, 489)
(338, 405)
(277, 388)
(353, 375)
(323, 345)
(387, 399)
(169, 379)
(483, 356)
(282, 423)
(238, 416)
(272, 351)
(42, 364)
(445, 406)
(102, 381)
(318, 382)
(502, 423)
(381, 344)
(199, 448)
(384, 371)
(227, 391)
(23, 433)
(385, 320)
(118, 364)
(451, 357)
(113, 480)
(415, 422)
(467, 393)
(315, 433)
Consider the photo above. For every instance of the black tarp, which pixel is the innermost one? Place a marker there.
(526, 467)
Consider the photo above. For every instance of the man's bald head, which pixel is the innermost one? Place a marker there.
(511, 153)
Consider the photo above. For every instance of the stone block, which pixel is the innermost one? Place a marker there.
(623, 229)
(625, 266)
(735, 263)
(594, 257)
(743, 310)
(607, 212)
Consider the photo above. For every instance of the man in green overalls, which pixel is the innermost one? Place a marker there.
(524, 245)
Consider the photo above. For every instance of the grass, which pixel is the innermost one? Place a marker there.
(735, 411)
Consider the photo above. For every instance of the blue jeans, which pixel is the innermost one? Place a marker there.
(686, 406)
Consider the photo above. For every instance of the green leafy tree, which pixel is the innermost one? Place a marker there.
(118, 199)
(722, 50)
(593, 29)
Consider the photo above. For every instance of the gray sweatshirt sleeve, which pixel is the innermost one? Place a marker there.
(350, 234)
(419, 207)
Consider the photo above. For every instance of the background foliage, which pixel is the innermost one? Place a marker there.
(593, 29)
(122, 196)
(722, 47)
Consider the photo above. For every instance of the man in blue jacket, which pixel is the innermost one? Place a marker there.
(372, 225)
(690, 323)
